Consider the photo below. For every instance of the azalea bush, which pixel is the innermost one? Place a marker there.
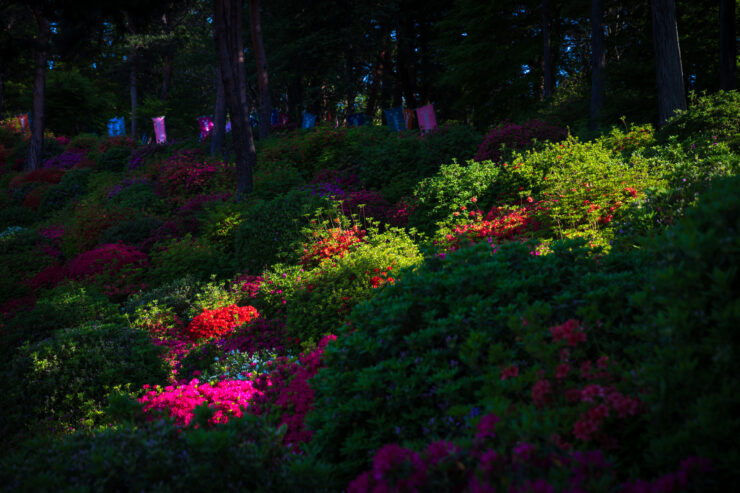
(220, 322)
(512, 136)
(423, 354)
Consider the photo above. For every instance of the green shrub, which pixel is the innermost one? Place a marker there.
(710, 119)
(62, 382)
(424, 353)
(188, 257)
(276, 179)
(115, 158)
(327, 292)
(16, 215)
(177, 294)
(139, 196)
(271, 228)
(162, 457)
(692, 310)
(132, 232)
(73, 184)
(220, 223)
(437, 197)
(86, 142)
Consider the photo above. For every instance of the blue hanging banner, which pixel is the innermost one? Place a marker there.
(309, 120)
(356, 120)
(394, 119)
(144, 139)
(274, 117)
(254, 120)
(116, 127)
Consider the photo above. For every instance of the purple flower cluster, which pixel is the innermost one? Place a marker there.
(65, 160)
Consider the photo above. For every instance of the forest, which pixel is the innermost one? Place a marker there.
(370, 246)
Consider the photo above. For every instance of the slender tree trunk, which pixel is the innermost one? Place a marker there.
(727, 45)
(230, 52)
(219, 116)
(263, 82)
(669, 72)
(36, 149)
(598, 61)
(2, 92)
(546, 50)
(168, 61)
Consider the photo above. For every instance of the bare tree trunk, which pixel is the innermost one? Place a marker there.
(265, 107)
(598, 61)
(546, 50)
(230, 52)
(35, 151)
(219, 124)
(727, 45)
(669, 72)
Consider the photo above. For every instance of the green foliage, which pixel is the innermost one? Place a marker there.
(275, 179)
(420, 355)
(139, 196)
(270, 229)
(326, 293)
(16, 215)
(115, 158)
(73, 184)
(220, 223)
(74, 104)
(188, 256)
(62, 382)
(131, 232)
(710, 119)
(692, 308)
(85, 141)
(437, 197)
(250, 457)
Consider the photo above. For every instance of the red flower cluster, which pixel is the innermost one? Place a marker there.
(336, 243)
(220, 322)
(570, 331)
(498, 225)
(188, 173)
(515, 136)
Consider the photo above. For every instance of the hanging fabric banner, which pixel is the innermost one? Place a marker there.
(427, 120)
(356, 120)
(23, 122)
(144, 139)
(159, 132)
(283, 120)
(394, 119)
(309, 120)
(116, 127)
(228, 126)
(409, 118)
(205, 123)
(254, 120)
(274, 117)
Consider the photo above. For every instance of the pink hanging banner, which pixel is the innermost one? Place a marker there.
(206, 126)
(409, 116)
(427, 120)
(159, 132)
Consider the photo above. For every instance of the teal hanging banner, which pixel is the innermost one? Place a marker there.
(394, 119)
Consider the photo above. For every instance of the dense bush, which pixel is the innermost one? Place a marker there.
(133, 232)
(73, 184)
(250, 457)
(516, 137)
(693, 311)
(187, 256)
(350, 268)
(270, 229)
(423, 354)
(62, 382)
(115, 158)
(710, 119)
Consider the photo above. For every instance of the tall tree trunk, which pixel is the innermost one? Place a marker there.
(36, 149)
(230, 52)
(219, 116)
(546, 49)
(132, 84)
(598, 61)
(2, 92)
(669, 72)
(168, 61)
(263, 82)
(727, 45)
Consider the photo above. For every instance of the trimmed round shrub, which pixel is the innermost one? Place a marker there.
(710, 119)
(115, 158)
(197, 258)
(133, 232)
(62, 382)
(73, 184)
